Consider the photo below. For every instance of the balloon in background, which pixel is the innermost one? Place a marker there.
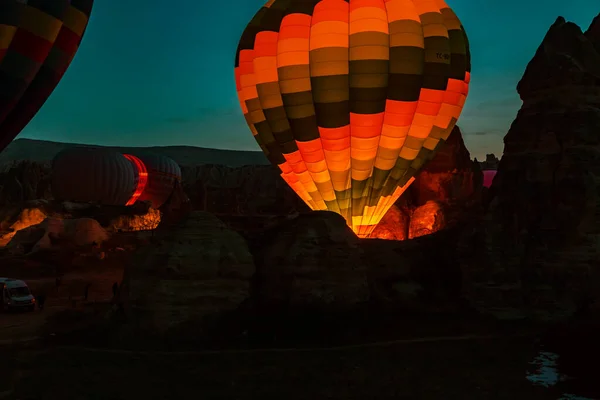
(488, 177)
(104, 176)
(351, 98)
(38, 40)
(95, 175)
(162, 172)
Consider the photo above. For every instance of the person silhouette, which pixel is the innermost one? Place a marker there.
(115, 290)
(41, 300)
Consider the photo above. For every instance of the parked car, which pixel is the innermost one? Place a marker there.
(16, 295)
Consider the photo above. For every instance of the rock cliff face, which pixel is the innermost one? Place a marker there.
(191, 271)
(539, 244)
(193, 275)
(491, 162)
(314, 260)
(24, 181)
(448, 178)
(422, 274)
(251, 190)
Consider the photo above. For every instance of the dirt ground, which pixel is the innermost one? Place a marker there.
(485, 362)
(68, 295)
(469, 369)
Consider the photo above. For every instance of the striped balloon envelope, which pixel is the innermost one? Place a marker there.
(38, 40)
(94, 175)
(163, 173)
(350, 98)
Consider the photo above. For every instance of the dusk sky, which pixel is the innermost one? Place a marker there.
(160, 72)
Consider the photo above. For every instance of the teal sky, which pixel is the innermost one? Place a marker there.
(159, 72)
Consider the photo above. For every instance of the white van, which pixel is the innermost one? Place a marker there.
(16, 295)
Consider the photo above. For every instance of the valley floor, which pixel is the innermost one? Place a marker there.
(427, 358)
(444, 369)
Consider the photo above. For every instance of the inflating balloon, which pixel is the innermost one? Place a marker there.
(38, 40)
(162, 172)
(96, 175)
(104, 176)
(351, 98)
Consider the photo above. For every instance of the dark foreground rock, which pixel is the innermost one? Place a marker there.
(537, 252)
(189, 273)
(200, 276)
(313, 260)
(419, 275)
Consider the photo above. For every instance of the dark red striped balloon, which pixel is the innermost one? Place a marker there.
(163, 172)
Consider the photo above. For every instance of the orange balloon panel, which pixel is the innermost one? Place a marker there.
(350, 98)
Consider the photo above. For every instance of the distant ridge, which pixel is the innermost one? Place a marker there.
(44, 151)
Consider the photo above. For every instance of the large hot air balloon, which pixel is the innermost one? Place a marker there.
(38, 40)
(94, 175)
(163, 173)
(351, 98)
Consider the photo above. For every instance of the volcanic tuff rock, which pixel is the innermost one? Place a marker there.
(593, 33)
(566, 62)
(33, 216)
(23, 181)
(58, 232)
(448, 177)
(539, 245)
(313, 259)
(427, 219)
(491, 162)
(420, 274)
(192, 270)
(249, 190)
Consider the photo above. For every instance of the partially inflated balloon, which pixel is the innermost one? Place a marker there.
(96, 175)
(351, 98)
(38, 40)
(163, 173)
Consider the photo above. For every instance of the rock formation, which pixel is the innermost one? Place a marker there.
(427, 219)
(448, 177)
(395, 225)
(23, 226)
(191, 271)
(24, 181)
(422, 274)
(491, 162)
(312, 260)
(537, 252)
(251, 190)
(59, 233)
